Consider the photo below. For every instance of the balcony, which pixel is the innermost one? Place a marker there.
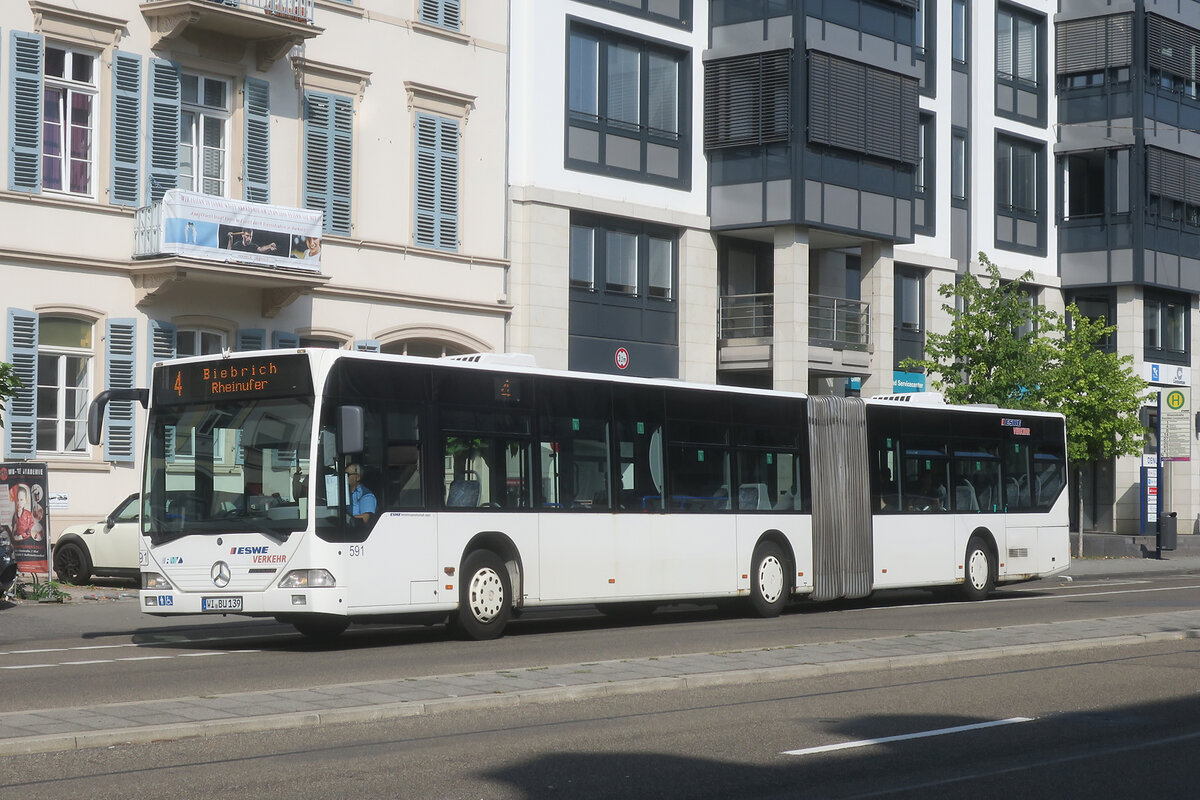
(838, 333)
(271, 27)
(189, 239)
(838, 323)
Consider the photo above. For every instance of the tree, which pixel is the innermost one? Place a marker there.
(1002, 349)
(9, 383)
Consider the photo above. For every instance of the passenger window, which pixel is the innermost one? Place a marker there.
(768, 481)
(699, 476)
(924, 480)
(976, 479)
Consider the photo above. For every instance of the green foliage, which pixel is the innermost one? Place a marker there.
(47, 591)
(1054, 365)
(9, 383)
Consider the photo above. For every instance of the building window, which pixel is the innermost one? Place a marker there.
(198, 342)
(1084, 191)
(1171, 54)
(868, 110)
(1165, 323)
(443, 13)
(625, 100)
(64, 384)
(747, 100)
(1016, 177)
(203, 134)
(1017, 47)
(1098, 308)
(924, 177)
(437, 143)
(583, 266)
(670, 12)
(328, 158)
(621, 263)
(1173, 186)
(908, 306)
(68, 121)
(1087, 51)
(1020, 193)
(958, 165)
(624, 258)
(958, 31)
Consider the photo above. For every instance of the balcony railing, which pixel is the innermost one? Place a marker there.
(746, 316)
(838, 323)
(298, 10)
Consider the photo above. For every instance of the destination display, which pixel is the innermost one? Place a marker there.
(233, 379)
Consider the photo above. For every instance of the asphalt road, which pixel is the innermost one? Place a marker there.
(1112, 722)
(105, 652)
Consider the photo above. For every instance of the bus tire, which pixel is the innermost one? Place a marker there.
(485, 596)
(769, 571)
(72, 564)
(979, 574)
(321, 629)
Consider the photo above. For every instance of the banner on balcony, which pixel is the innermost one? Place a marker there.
(24, 516)
(220, 229)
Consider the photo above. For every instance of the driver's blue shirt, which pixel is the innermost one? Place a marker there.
(361, 501)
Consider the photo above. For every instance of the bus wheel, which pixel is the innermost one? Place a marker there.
(321, 629)
(484, 603)
(769, 580)
(978, 580)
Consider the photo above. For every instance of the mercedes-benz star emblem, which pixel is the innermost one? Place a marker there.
(221, 574)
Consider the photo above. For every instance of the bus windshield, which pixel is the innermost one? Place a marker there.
(225, 467)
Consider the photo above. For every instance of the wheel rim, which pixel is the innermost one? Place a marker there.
(486, 595)
(69, 563)
(770, 579)
(978, 570)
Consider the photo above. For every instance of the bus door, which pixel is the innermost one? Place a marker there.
(915, 544)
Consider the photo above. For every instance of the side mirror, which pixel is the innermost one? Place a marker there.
(349, 430)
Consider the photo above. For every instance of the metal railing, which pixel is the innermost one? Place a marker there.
(299, 10)
(838, 323)
(746, 316)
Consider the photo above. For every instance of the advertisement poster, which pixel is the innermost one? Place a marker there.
(24, 514)
(221, 229)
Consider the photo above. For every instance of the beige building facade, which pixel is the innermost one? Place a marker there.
(388, 118)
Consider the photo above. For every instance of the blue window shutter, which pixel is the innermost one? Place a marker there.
(256, 183)
(445, 13)
(163, 155)
(341, 168)
(162, 346)
(251, 339)
(126, 129)
(20, 416)
(120, 336)
(25, 113)
(284, 339)
(328, 158)
(316, 153)
(367, 345)
(436, 203)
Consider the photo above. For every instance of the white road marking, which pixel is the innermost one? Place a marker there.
(829, 748)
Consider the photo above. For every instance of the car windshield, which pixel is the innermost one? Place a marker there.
(225, 467)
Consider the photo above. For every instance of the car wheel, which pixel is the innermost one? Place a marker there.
(769, 580)
(485, 596)
(979, 577)
(72, 564)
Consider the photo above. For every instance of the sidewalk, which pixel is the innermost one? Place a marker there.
(56, 730)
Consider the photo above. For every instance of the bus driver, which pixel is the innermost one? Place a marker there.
(362, 501)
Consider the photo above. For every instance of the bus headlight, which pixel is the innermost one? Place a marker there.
(307, 579)
(152, 580)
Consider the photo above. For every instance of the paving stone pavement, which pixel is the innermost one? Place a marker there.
(64, 729)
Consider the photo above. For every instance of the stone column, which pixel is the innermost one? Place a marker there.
(698, 296)
(789, 352)
(879, 289)
(539, 281)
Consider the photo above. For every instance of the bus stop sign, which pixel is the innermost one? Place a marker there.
(1175, 424)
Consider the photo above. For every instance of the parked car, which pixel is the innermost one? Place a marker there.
(107, 548)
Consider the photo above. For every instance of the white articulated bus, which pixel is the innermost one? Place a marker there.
(499, 487)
